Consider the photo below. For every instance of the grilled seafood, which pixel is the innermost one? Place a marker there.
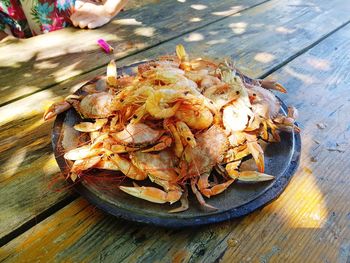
(173, 123)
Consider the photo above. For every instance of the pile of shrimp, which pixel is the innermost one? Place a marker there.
(173, 123)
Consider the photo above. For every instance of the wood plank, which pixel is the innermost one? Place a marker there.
(139, 3)
(125, 237)
(22, 126)
(52, 58)
(308, 223)
(313, 214)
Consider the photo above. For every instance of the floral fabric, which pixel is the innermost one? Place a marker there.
(28, 18)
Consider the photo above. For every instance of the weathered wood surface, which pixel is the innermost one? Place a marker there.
(25, 149)
(310, 222)
(24, 137)
(139, 3)
(46, 60)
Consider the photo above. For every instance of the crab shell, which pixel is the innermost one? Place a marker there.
(96, 105)
(161, 165)
(211, 147)
(137, 134)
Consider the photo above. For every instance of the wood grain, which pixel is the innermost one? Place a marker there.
(310, 222)
(49, 59)
(313, 214)
(25, 150)
(24, 136)
(139, 3)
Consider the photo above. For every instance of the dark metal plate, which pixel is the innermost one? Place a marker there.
(101, 189)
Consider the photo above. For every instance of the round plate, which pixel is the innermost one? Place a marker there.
(101, 188)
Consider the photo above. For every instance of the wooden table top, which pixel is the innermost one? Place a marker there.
(303, 44)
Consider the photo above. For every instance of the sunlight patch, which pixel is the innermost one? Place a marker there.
(20, 91)
(195, 19)
(6, 88)
(10, 167)
(318, 63)
(303, 77)
(193, 37)
(238, 28)
(213, 33)
(67, 71)
(199, 7)
(45, 65)
(50, 166)
(217, 41)
(302, 205)
(284, 30)
(264, 57)
(145, 31)
(308, 203)
(127, 21)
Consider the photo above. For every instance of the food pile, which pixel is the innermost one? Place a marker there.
(173, 123)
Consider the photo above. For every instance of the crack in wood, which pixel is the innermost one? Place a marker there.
(37, 219)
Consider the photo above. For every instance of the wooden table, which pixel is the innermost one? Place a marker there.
(304, 44)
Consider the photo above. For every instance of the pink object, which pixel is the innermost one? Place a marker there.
(105, 46)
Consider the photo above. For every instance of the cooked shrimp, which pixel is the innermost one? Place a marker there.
(158, 104)
(178, 146)
(127, 168)
(111, 78)
(185, 133)
(173, 123)
(195, 116)
(82, 153)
